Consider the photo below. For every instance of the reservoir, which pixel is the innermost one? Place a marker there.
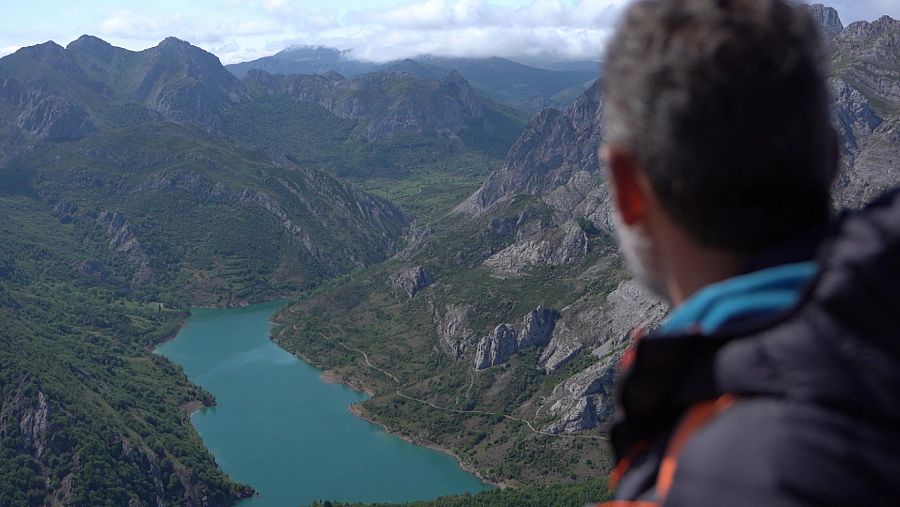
(281, 429)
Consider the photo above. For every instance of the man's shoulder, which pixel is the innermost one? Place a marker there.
(776, 451)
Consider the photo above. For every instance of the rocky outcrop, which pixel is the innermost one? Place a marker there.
(582, 402)
(550, 247)
(496, 347)
(537, 328)
(53, 118)
(124, 243)
(867, 56)
(454, 330)
(411, 280)
(385, 103)
(602, 326)
(505, 340)
(44, 115)
(585, 400)
(28, 417)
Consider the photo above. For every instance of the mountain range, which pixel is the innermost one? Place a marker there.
(412, 211)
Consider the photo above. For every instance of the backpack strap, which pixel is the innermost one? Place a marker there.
(695, 418)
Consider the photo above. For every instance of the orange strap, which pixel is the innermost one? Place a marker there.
(627, 503)
(625, 463)
(695, 418)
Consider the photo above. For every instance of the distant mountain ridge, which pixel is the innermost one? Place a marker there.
(173, 81)
(523, 86)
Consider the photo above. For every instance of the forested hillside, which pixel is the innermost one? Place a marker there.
(134, 185)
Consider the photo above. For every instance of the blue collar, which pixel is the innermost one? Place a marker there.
(740, 298)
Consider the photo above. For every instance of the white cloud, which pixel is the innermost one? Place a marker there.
(8, 50)
(548, 28)
(239, 30)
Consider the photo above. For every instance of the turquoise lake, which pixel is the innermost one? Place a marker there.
(281, 429)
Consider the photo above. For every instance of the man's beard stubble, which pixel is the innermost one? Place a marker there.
(639, 257)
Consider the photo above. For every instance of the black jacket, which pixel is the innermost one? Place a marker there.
(817, 421)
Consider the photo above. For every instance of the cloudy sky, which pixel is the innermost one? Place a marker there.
(379, 30)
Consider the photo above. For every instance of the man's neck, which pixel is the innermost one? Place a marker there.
(690, 266)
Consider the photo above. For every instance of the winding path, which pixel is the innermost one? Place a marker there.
(456, 410)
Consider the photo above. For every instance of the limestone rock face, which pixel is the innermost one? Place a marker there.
(505, 340)
(411, 280)
(602, 326)
(537, 329)
(124, 243)
(53, 118)
(42, 114)
(828, 19)
(867, 109)
(583, 401)
(455, 332)
(496, 347)
(866, 56)
(554, 146)
(547, 247)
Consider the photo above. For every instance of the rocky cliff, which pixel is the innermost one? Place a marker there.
(505, 340)
(555, 161)
(866, 83)
(554, 148)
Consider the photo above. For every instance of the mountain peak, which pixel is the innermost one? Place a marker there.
(89, 41)
(828, 18)
(174, 43)
(49, 48)
(91, 45)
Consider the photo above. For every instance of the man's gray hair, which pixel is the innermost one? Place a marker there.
(725, 105)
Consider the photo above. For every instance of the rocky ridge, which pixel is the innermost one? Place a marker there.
(386, 103)
(63, 94)
(411, 281)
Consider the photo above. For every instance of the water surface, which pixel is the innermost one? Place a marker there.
(281, 429)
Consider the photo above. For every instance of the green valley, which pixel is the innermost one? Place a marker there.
(440, 249)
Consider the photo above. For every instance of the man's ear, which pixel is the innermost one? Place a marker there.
(626, 178)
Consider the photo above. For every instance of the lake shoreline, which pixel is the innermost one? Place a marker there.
(222, 354)
(356, 411)
(331, 377)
